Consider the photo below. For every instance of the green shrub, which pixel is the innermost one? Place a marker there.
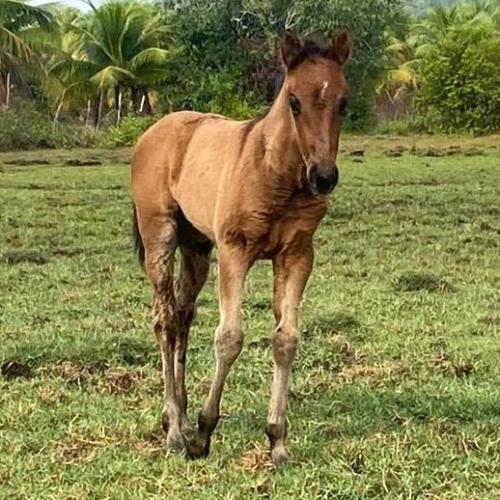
(402, 126)
(226, 58)
(27, 128)
(129, 130)
(460, 82)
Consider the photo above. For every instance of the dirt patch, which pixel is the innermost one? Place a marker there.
(25, 162)
(256, 459)
(98, 377)
(350, 356)
(446, 364)
(356, 371)
(262, 343)
(430, 152)
(414, 282)
(14, 369)
(393, 154)
(79, 449)
(76, 162)
(453, 150)
(19, 256)
(356, 152)
(260, 304)
(474, 152)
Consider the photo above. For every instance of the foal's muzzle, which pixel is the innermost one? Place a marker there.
(322, 180)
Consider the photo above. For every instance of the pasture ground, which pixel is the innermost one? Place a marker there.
(395, 391)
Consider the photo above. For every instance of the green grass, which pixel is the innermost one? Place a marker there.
(395, 391)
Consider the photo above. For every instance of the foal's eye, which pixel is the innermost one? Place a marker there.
(294, 102)
(343, 106)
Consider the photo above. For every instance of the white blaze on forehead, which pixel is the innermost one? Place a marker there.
(323, 89)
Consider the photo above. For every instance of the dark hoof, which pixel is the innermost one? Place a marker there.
(279, 456)
(198, 448)
(175, 442)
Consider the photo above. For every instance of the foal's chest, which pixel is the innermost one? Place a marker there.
(268, 233)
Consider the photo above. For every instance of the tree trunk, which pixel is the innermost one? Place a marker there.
(118, 103)
(98, 113)
(7, 89)
(87, 114)
(134, 97)
(147, 109)
(58, 111)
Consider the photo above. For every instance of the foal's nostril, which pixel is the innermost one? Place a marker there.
(322, 180)
(323, 184)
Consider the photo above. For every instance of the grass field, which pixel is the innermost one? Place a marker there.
(396, 389)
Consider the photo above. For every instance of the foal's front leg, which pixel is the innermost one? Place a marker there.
(233, 268)
(291, 272)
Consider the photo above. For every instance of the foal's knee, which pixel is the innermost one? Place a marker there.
(228, 343)
(285, 345)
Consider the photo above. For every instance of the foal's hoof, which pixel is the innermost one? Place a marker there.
(279, 456)
(198, 448)
(175, 442)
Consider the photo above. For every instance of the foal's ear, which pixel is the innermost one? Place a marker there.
(341, 46)
(290, 47)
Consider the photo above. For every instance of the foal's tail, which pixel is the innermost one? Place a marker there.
(136, 235)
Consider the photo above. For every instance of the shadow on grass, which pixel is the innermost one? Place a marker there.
(116, 350)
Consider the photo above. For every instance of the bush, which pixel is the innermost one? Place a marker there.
(405, 125)
(226, 59)
(129, 130)
(27, 128)
(460, 82)
(218, 93)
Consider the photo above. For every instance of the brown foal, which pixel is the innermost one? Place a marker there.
(257, 190)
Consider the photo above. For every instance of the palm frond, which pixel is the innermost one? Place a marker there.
(149, 57)
(111, 76)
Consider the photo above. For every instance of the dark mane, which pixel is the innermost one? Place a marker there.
(310, 50)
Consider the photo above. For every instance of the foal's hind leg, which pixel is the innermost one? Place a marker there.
(291, 272)
(195, 265)
(160, 241)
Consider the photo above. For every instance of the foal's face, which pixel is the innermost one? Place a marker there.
(316, 91)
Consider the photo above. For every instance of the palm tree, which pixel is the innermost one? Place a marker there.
(115, 48)
(19, 24)
(403, 56)
(399, 80)
(440, 20)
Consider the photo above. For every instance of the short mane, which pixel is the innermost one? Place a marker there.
(310, 50)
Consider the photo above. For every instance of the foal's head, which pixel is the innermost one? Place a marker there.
(316, 91)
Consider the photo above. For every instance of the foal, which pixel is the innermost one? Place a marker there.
(255, 189)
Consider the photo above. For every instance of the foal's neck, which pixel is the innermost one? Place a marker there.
(281, 152)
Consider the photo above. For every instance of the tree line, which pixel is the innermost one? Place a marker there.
(437, 67)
